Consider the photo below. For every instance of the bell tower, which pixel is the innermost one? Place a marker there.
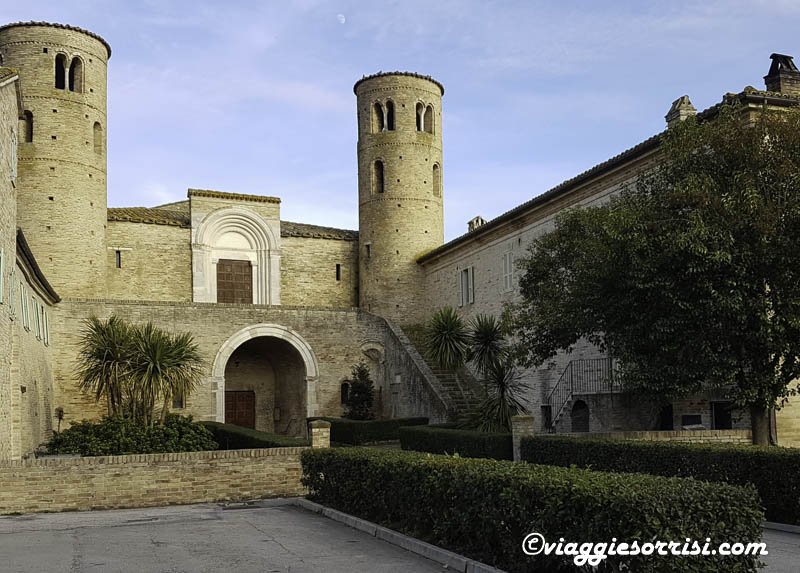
(400, 191)
(61, 203)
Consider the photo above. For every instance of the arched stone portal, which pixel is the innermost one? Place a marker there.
(265, 376)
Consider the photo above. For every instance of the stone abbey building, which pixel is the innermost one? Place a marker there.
(281, 310)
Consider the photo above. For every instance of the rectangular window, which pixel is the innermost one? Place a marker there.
(338, 272)
(508, 270)
(118, 259)
(37, 322)
(12, 288)
(467, 286)
(23, 301)
(13, 156)
(177, 403)
(46, 325)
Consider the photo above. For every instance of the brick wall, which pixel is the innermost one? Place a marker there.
(156, 262)
(148, 480)
(308, 272)
(689, 436)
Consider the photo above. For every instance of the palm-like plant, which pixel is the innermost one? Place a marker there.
(447, 339)
(104, 359)
(486, 343)
(163, 367)
(505, 399)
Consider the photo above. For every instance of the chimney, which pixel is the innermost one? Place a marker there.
(474, 223)
(681, 109)
(783, 76)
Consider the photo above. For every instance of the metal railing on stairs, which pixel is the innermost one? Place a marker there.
(580, 377)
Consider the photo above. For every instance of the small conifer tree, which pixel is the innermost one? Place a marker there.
(360, 397)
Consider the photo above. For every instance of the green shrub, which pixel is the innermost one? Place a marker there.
(360, 393)
(448, 440)
(118, 436)
(485, 508)
(774, 471)
(358, 432)
(232, 437)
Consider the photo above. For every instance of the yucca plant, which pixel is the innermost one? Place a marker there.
(447, 339)
(505, 399)
(486, 343)
(104, 354)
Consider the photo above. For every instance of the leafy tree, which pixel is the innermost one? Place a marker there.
(360, 396)
(690, 276)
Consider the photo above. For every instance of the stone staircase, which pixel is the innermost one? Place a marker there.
(464, 391)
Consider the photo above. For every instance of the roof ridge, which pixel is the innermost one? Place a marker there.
(31, 23)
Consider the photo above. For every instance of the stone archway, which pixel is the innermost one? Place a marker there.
(270, 361)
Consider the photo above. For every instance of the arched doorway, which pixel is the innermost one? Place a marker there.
(580, 417)
(265, 379)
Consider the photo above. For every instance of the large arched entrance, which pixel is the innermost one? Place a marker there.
(266, 379)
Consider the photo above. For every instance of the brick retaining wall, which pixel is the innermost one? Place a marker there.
(105, 482)
(691, 436)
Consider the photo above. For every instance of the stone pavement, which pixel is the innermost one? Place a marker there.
(273, 537)
(784, 551)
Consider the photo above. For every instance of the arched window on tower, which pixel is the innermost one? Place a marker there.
(377, 118)
(420, 113)
(390, 115)
(98, 137)
(27, 127)
(428, 119)
(437, 181)
(377, 177)
(76, 75)
(61, 71)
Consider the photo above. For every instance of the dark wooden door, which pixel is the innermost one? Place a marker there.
(234, 281)
(240, 408)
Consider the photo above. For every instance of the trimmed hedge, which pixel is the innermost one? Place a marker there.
(231, 437)
(358, 432)
(773, 471)
(485, 508)
(115, 436)
(450, 440)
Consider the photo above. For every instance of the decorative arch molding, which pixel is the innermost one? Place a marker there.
(265, 330)
(240, 234)
(373, 351)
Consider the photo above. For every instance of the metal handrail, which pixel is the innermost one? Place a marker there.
(581, 376)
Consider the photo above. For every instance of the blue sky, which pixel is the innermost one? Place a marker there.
(256, 97)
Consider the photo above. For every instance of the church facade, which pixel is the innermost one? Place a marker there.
(281, 310)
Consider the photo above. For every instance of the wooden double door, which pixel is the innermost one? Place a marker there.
(240, 408)
(234, 281)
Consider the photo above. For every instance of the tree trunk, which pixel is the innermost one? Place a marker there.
(759, 423)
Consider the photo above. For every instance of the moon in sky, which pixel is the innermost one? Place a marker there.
(341, 18)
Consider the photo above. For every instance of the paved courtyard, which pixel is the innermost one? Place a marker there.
(199, 538)
(270, 537)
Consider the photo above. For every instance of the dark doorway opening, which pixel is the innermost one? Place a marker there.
(240, 408)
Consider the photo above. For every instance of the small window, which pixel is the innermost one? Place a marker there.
(36, 318)
(378, 124)
(13, 155)
(118, 259)
(98, 137)
(76, 75)
(27, 126)
(390, 115)
(61, 71)
(437, 181)
(345, 393)
(508, 270)
(369, 250)
(338, 272)
(466, 280)
(428, 120)
(420, 112)
(44, 50)
(377, 177)
(46, 323)
(177, 403)
(691, 420)
(12, 292)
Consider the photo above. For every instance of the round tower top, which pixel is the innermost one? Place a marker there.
(61, 26)
(385, 74)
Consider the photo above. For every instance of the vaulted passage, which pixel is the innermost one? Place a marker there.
(265, 387)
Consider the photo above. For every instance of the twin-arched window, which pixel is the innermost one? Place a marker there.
(383, 117)
(424, 117)
(69, 77)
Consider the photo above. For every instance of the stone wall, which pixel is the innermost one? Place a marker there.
(155, 262)
(688, 436)
(334, 336)
(8, 214)
(308, 272)
(80, 484)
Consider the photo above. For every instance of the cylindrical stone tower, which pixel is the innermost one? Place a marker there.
(400, 197)
(61, 201)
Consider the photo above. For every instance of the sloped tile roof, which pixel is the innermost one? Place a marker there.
(289, 229)
(148, 215)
